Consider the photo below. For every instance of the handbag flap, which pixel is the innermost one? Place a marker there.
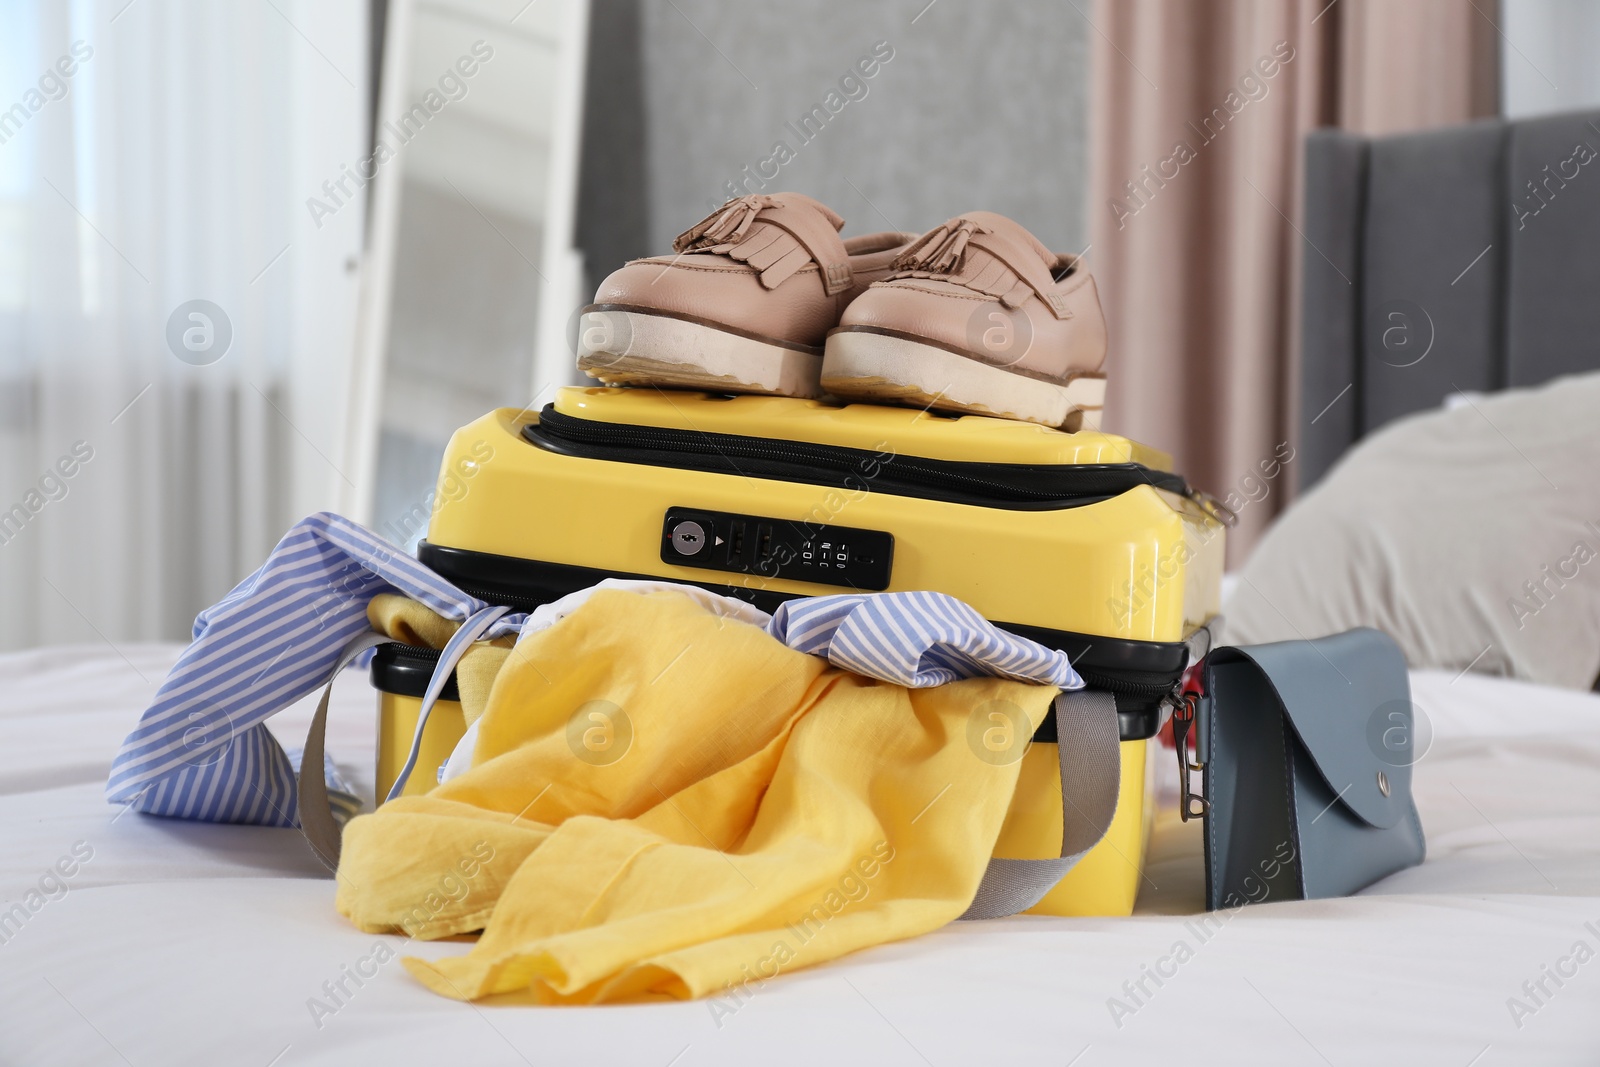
(1348, 699)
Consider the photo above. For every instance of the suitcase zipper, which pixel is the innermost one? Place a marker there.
(1129, 683)
(995, 484)
(1143, 686)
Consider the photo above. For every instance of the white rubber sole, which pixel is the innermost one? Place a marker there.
(876, 367)
(638, 348)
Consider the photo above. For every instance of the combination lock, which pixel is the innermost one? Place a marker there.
(778, 548)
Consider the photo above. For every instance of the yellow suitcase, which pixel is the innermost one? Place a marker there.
(1083, 541)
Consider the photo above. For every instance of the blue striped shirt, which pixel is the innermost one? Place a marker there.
(202, 749)
(915, 640)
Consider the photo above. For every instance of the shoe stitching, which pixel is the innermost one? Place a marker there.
(741, 269)
(977, 297)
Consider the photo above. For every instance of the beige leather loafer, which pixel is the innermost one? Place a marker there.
(977, 317)
(745, 305)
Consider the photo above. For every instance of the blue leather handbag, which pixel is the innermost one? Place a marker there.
(1306, 749)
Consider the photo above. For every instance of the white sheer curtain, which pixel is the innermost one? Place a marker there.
(154, 153)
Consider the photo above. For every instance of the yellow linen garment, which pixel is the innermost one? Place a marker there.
(664, 803)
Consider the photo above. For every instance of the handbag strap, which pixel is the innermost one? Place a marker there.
(322, 831)
(1088, 745)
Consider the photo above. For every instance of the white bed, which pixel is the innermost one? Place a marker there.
(180, 943)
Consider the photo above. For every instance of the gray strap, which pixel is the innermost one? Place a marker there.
(316, 815)
(1089, 744)
(321, 829)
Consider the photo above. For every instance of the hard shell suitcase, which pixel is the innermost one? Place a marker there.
(1086, 542)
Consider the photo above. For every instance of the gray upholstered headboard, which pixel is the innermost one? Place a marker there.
(1460, 258)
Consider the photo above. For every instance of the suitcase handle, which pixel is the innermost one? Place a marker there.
(1088, 743)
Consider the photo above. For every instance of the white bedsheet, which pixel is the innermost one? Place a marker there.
(180, 943)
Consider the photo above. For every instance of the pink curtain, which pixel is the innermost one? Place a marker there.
(1199, 111)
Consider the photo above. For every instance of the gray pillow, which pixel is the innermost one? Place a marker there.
(1471, 535)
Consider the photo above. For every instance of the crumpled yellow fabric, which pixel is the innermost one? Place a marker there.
(663, 803)
(405, 620)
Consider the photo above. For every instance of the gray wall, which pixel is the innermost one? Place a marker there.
(983, 105)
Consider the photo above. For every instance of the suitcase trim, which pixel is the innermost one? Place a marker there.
(405, 670)
(1140, 673)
